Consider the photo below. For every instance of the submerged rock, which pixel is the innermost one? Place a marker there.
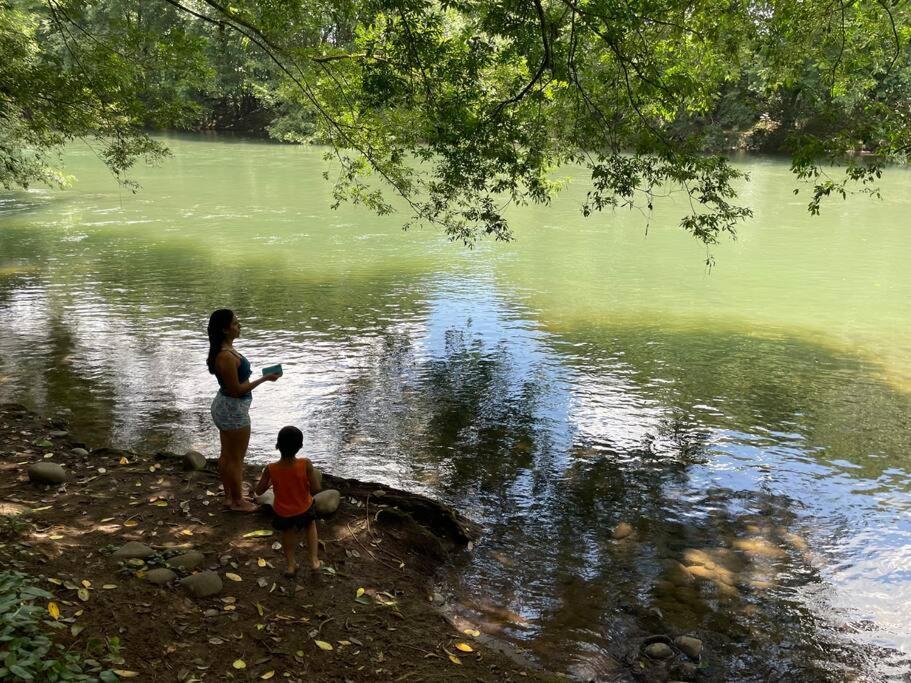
(622, 530)
(46, 473)
(659, 651)
(691, 647)
(160, 576)
(326, 502)
(203, 584)
(133, 550)
(187, 561)
(194, 460)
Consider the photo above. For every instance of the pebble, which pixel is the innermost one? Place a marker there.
(194, 460)
(81, 452)
(133, 550)
(203, 584)
(326, 502)
(160, 576)
(46, 473)
(187, 561)
(59, 433)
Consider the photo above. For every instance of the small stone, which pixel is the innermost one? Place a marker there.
(160, 576)
(194, 460)
(659, 651)
(326, 502)
(691, 647)
(622, 530)
(677, 574)
(80, 452)
(46, 473)
(58, 433)
(187, 561)
(686, 671)
(133, 550)
(211, 613)
(203, 584)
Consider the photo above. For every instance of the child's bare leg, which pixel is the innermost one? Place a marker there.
(312, 545)
(289, 546)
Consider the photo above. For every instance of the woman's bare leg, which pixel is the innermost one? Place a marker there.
(234, 444)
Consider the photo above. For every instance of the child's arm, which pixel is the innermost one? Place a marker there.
(314, 480)
(263, 484)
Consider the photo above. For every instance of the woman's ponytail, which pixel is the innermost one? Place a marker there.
(219, 321)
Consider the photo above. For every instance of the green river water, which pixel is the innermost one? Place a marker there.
(752, 420)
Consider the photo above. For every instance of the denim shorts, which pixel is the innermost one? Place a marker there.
(231, 413)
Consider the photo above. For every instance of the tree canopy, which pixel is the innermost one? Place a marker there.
(463, 108)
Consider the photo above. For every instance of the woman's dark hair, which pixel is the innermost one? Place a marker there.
(219, 321)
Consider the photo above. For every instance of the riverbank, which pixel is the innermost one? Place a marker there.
(95, 544)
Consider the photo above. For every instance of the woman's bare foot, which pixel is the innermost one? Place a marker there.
(314, 566)
(243, 506)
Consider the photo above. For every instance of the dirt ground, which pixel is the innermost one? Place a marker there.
(371, 604)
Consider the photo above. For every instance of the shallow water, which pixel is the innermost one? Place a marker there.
(751, 420)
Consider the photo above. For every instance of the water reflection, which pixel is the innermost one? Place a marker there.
(632, 477)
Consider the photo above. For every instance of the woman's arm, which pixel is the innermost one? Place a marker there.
(263, 484)
(226, 366)
(314, 480)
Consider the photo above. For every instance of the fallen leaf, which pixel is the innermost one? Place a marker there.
(259, 533)
(360, 592)
(186, 532)
(239, 664)
(126, 674)
(83, 594)
(56, 582)
(259, 608)
(233, 577)
(55, 537)
(454, 659)
(266, 676)
(86, 583)
(54, 610)
(160, 503)
(464, 647)
(123, 460)
(109, 586)
(474, 633)
(76, 629)
(131, 522)
(323, 645)
(261, 562)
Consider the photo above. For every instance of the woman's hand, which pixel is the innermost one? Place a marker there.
(271, 378)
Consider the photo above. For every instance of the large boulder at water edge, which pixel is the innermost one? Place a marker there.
(326, 502)
(46, 473)
(203, 584)
(194, 460)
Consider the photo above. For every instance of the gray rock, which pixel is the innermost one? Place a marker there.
(266, 499)
(194, 460)
(58, 433)
(691, 647)
(46, 473)
(133, 550)
(160, 576)
(188, 561)
(203, 584)
(326, 502)
(81, 452)
(659, 651)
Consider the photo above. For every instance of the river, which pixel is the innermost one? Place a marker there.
(752, 419)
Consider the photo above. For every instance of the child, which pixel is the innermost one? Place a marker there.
(295, 483)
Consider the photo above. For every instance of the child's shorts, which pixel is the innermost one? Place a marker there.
(298, 521)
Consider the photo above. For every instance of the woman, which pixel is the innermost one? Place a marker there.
(231, 405)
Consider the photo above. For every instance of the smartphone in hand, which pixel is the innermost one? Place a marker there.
(273, 370)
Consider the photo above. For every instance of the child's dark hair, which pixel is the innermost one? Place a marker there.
(290, 441)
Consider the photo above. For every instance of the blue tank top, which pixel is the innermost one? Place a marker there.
(243, 374)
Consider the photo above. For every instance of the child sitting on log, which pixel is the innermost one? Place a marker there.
(294, 482)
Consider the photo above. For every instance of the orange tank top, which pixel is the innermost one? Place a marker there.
(292, 488)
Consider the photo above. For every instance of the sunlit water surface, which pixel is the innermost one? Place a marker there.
(751, 420)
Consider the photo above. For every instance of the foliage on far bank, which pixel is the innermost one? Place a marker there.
(461, 109)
